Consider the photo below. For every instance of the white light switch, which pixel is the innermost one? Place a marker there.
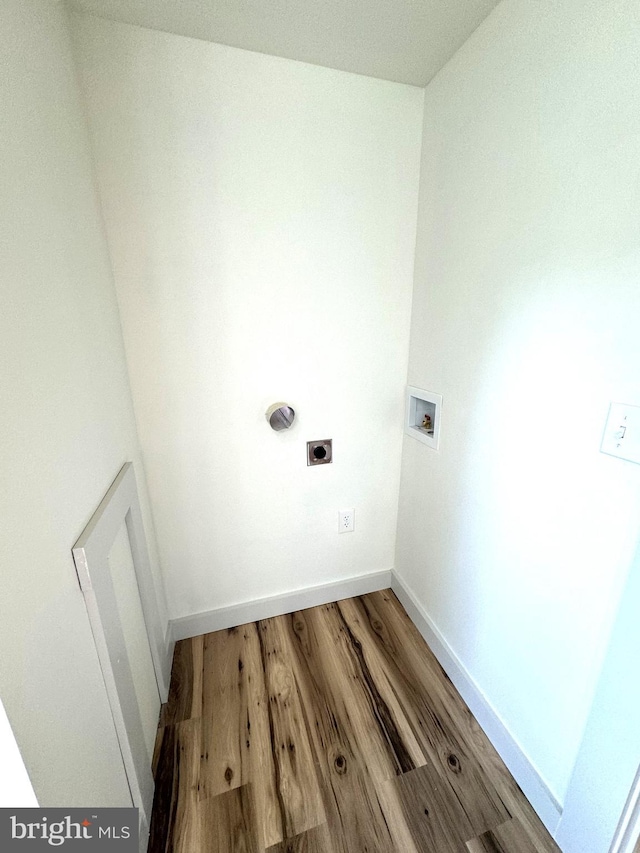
(622, 432)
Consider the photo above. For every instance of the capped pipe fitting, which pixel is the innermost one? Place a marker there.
(280, 416)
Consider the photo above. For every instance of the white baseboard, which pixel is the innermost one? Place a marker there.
(541, 798)
(276, 605)
(170, 645)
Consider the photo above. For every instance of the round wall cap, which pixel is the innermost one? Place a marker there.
(280, 416)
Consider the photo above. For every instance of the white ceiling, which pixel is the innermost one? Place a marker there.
(403, 40)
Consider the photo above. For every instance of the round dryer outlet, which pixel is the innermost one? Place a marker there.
(319, 452)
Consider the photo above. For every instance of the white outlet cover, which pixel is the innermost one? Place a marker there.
(622, 432)
(343, 525)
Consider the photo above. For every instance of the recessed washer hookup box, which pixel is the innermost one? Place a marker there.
(102, 830)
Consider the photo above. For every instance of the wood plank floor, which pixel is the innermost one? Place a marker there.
(330, 730)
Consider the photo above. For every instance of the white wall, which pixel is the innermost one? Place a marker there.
(261, 217)
(600, 786)
(66, 418)
(517, 535)
(16, 790)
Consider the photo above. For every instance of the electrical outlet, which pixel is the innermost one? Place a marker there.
(346, 520)
(320, 452)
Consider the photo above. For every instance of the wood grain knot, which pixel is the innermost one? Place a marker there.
(228, 775)
(340, 764)
(298, 626)
(454, 763)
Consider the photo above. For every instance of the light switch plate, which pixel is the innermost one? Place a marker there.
(622, 432)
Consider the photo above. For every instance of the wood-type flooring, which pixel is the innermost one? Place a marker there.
(329, 730)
